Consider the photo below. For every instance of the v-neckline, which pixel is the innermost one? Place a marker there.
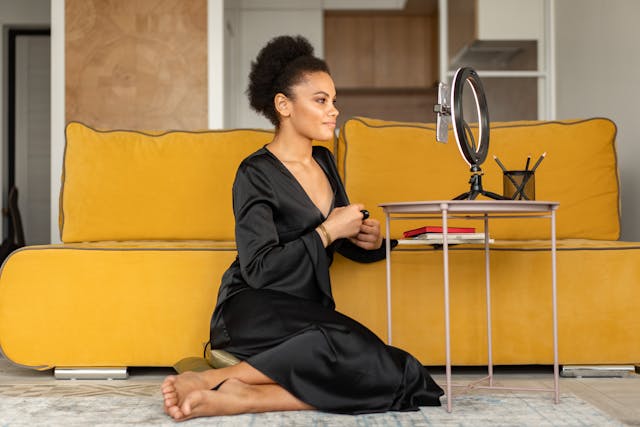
(286, 170)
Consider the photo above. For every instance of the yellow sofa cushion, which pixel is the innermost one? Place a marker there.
(109, 303)
(133, 185)
(103, 303)
(382, 161)
(597, 320)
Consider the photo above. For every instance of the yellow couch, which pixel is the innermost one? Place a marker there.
(147, 227)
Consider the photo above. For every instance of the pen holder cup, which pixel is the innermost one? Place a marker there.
(519, 185)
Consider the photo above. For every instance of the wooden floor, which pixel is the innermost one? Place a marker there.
(619, 397)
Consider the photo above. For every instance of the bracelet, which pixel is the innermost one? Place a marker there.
(326, 234)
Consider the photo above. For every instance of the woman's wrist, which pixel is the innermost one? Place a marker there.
(324, 234)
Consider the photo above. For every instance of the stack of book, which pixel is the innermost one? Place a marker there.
(432, 235)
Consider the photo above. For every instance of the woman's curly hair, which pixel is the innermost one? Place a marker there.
(279, 66)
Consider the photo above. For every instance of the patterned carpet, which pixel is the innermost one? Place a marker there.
(100, 404)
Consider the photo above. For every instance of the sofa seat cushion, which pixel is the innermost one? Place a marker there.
(596, 288)
(109, 303)
(382, 161)
(133, 185)
(149, 303)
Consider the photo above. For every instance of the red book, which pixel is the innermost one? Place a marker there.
(437, 229)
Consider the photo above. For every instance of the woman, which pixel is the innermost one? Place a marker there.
(275, 310)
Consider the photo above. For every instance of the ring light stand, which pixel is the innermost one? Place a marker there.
(474, 154)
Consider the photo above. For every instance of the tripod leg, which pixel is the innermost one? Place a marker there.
(494, 196)
(469, 195)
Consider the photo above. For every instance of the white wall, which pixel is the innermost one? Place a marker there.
(58, 111)
(215, 62)
(510, 20)
(25, 14)
(597, 63)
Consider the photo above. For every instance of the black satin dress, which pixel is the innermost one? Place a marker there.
(275, 309)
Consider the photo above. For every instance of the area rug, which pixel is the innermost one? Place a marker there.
(106, 405)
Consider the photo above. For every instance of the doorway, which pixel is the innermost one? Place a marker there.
(28, 151)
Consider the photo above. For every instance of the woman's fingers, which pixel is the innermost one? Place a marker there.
(369, 236)
(364, 244)
(345, 221)
(370, 225)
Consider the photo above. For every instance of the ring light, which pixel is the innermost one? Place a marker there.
(468, 150)
(472, 153)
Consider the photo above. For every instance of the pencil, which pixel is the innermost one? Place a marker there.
(506, 173)
(526, 165)
(538, 162)
(499, 163)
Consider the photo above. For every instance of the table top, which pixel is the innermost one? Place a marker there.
(470, 206)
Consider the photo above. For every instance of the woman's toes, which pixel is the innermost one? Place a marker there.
(175, 390)
(168, 384)
(170, 399)
(192, 401)
(175, 413)
(169, 378)
(166, 409)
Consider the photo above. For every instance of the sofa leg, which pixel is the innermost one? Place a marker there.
(106, 373)
(594, 371)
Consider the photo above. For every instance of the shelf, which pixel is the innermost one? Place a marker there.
(387, 90)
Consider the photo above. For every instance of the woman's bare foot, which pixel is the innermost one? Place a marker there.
(176, 387)
(235, 397)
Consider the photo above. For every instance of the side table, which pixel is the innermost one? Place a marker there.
(475, 210)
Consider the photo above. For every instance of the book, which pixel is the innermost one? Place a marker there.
(437, 239)
(437, 229)
(439, 236)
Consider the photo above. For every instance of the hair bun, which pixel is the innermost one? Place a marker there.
(279, 65)
(282, 50)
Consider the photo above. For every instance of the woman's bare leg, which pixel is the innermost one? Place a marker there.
(175, 388)
(236, 397)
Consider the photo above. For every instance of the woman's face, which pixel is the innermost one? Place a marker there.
(312, 108)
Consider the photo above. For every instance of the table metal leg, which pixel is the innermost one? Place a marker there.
(444, 211)
(445, 267)
(488, 295)
(556, 370)
(388, 260)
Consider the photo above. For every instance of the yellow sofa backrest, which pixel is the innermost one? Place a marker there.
(132, 185)
(382, 161)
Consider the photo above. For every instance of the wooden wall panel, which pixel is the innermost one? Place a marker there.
(373, 50)
(137, 64)
(404, 55)
(348, 48)
(384, 65)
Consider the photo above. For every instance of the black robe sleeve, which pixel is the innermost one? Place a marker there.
(268, 259)
(356, 253)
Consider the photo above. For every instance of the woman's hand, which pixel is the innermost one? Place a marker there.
(345, 221)
(369, 236)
